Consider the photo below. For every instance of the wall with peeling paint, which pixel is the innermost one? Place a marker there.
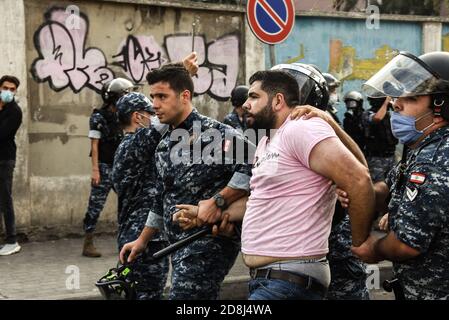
(66, 59)
(346, 47)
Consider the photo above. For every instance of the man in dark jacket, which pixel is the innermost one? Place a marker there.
(10, 121)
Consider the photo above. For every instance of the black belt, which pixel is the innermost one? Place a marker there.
(304, 281)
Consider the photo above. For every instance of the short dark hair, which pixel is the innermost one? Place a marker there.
(175, 75)
(10, 79)
(124, 119)
(277, 81)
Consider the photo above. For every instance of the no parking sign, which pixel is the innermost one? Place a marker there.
(271, 20)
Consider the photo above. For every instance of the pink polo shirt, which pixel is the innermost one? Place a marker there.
(289, 212)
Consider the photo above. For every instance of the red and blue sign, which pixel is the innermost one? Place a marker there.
(271, 20)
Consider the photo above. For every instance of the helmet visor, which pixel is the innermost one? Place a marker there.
(303, 77)
(403, 76)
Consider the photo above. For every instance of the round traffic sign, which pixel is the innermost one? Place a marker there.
(271, 20)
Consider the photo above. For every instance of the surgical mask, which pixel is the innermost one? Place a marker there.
(351, 104)
(142, 124)
(404, 127)
(333, 99)
(6, 96)
(155, 121)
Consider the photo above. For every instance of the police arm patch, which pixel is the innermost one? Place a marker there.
(418, 178)
(411, 194)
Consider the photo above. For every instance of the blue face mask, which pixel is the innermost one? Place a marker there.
(404, 129)
(6, 96)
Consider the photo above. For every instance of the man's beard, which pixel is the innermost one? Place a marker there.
(264, 119)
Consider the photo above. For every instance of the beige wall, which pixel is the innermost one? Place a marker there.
(12, 40)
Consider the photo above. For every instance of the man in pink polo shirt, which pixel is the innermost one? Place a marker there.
(289, 213)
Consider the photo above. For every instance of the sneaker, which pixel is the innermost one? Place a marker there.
(8, 249)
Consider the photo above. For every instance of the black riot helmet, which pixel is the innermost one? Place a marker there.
(239, 95)
(332, 82)
(114, 89)
(353, 100)
(312, 84)
(407, 76)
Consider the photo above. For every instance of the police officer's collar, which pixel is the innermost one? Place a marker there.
(188, 122)
(438, 134)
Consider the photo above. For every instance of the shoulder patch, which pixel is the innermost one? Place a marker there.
(411, 194)
(418, 178)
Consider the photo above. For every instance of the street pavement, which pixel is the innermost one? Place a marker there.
(49, 271)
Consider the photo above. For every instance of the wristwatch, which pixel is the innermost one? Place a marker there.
(220, 202)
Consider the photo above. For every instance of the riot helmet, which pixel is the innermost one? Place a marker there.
(331, 81)
(114, 89)
(353, 100)
(312, 84)
(239, 95)
(407, 75)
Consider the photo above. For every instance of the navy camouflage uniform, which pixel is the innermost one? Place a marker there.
(200, 267)
(419, 217)
(233, 120)
(348, 273)
(105, 127)
(134, 179)
(380, 145)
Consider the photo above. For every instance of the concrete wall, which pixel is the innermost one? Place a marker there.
(63, 59)
(12, 40)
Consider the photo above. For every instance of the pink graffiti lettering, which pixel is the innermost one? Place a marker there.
(138, 55)
(218, 61)
(63, 59)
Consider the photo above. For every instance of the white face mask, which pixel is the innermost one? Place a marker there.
(146, 117)
(333, 99)
(155, 121)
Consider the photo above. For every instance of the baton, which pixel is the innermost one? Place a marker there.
(193, 36)
(181, 243)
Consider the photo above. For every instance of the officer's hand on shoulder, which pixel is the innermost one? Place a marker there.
(309, 112)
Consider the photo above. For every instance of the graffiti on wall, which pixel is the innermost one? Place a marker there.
(63, 59)
(137, 55)
(344, 64)
(218, 62)
(65, 62)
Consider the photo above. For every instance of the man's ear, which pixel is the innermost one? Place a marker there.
(186, 96)
(278, 102)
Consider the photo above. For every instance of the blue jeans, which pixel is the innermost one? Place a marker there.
(274, 289)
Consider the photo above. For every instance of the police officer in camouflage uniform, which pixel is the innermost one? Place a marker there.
(418, 187)
(186, 177)
(348, 273)
(105, 134)
(379, 141)
(352, 122)
(236, 118)
(334, 100)
(134, 180)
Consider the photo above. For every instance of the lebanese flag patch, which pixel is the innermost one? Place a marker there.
(418, 178)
